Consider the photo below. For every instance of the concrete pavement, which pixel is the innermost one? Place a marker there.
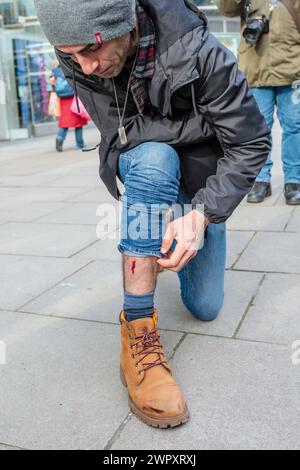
(61, 294)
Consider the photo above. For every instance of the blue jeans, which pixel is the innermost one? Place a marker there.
(284, 98)
(62, 134)
(151, 176)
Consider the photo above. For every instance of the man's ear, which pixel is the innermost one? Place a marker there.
(135, 34)
(134, 37)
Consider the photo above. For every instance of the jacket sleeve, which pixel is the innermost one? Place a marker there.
(230, 7)
(224, 99)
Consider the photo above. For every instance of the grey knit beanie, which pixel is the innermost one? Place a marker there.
(70, 22)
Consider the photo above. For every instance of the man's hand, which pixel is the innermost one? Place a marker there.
(188, 231)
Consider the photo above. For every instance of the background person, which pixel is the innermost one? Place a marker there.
(269, 54)
(66, 118)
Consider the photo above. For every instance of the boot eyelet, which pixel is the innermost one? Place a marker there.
(133, 356)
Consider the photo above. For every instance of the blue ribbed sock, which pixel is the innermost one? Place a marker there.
(138, 306)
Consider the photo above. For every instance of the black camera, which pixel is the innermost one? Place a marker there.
(256, 27)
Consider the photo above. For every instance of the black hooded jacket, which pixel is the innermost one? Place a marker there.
(203, 108)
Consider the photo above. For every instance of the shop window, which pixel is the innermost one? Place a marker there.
(33, 64)
(8, 12)
(26, 8)
(202, 3)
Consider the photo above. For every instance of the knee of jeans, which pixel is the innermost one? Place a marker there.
(154, 174)
(160, 162)
(205, 310)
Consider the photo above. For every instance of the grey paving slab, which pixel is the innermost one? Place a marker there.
(294, 224)
(84, 213)
(87, 166)
(12, 198)
(97, 195)
(273, 252)
(42, 146)
(275, 315)
(60, 388)
(45, 239)
(85, 170)
(37, 161)
(86, 181)
(105, 249)
(240, 287)
(249, 217)
(95, 293)
(25, 180)
(23, 277)
(30, 212)
(241, 396)
(236, 243)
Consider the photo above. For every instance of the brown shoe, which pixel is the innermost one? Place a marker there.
(154, 396)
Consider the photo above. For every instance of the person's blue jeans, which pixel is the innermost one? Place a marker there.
(284, 98)
(151, 176)
(62, 134)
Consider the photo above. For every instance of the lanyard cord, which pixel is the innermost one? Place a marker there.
(121, 118)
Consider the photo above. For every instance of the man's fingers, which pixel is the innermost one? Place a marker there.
(168, 239)
(176, 257)
(184, 261)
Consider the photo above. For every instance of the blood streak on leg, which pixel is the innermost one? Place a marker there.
(133, 266)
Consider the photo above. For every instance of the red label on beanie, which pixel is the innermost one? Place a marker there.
(99, 38)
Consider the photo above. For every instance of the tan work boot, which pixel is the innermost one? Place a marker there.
(154, 396)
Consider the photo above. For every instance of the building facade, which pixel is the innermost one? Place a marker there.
(26, 61)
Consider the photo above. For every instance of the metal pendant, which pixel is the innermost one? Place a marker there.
(123, 136)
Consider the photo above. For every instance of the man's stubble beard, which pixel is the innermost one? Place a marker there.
(134, 43)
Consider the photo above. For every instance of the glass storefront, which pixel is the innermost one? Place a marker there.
(202, 3)
(10, 11)
(26, 61)
(33, 64)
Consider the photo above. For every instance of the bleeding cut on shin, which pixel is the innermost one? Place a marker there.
(140, 276)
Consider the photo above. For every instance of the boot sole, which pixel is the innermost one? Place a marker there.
(292, 203)
(260, 199)
(161, 423)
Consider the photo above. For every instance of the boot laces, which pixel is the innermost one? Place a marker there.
(149, 344)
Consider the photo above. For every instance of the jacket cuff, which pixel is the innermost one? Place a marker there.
(201, 209)
(211, 216)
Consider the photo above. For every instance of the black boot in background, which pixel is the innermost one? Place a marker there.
(292, 194)
(259, 192)
(59, 145)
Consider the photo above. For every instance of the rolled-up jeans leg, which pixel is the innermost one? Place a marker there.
(151, 176)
